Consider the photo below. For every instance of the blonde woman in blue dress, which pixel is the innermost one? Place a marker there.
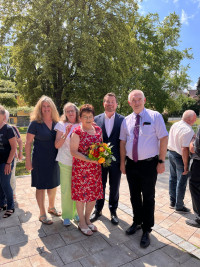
(69, 120)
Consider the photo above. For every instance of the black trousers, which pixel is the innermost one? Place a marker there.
(142, 176)
(114, 182)
(194, 184)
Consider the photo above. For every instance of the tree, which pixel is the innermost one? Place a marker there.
(7, 72)
(184, 102)
(72, 50)
(162, 74)
(79, 50)
(8, 93)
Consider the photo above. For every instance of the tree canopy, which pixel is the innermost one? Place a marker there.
(78, 50)
(8, 93)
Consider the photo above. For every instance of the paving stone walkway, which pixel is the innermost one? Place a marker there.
(25, 242)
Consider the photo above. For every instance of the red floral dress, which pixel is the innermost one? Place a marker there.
(86, 177)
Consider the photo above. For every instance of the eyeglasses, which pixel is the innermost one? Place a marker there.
(70, 111)
(87, 117)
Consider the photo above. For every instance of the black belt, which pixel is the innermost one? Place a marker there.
(149, 159)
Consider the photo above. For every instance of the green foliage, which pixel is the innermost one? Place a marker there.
(72, 50)
(183, 103)
(7, 72)
(79, 50)
(8, 93)
(162, 73)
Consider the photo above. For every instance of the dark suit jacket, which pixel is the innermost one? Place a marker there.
(114, 136)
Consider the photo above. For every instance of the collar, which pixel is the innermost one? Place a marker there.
(141, 113)
(186, 124)
(112, 117)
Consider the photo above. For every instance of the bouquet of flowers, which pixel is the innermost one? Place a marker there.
(102, 153)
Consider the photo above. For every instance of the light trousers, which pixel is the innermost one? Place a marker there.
(68, 205)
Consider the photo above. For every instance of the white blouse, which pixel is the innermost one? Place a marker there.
(64, 156)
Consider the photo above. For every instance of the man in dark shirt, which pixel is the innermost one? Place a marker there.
(194, 182)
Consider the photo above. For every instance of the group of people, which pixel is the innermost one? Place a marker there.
(60, 157)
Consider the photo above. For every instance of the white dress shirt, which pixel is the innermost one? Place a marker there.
(109, 123)
(151, 130)
(180, 135)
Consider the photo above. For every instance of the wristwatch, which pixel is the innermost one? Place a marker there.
(161, 161)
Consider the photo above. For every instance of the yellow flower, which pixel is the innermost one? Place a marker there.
(91, 152)
(101, 160)
(105, 144)
(101, 149)
(92, 146)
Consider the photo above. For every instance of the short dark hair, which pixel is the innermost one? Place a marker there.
(86, 108)
(110, 94)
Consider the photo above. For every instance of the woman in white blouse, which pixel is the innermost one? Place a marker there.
(64, 128)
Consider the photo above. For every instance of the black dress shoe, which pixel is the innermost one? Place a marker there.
(133, 228)
(114, 219)
(194, 223)
(145, 240)
(95, 215)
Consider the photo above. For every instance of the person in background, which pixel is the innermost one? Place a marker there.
(194, 180)
(64, 128)
(43, 166)
(143, 148)
(180, 136)
(86, 174)
(18, 155)
(8, 146)
(110, 123)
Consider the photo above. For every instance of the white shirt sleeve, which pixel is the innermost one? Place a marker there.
(59, 127)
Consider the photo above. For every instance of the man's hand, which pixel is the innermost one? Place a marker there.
(122, 168)
(185, 171)
(160, 168)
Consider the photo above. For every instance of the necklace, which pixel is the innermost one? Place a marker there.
(90, 131)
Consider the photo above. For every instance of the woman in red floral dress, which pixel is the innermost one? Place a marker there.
(86, 174)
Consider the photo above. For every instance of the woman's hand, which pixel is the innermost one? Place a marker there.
(68, 129)
(7, 169)
(29, 166)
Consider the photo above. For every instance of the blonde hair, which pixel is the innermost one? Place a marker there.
(36, 115)
(64, 117)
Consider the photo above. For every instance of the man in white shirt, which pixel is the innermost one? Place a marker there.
(110, 123)
(180, 136)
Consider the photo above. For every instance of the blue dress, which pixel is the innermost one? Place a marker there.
(45, 173)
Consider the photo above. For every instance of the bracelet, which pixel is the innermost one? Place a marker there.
(63, 137)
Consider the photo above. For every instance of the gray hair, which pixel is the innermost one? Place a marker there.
(7, 115)
(135, 91)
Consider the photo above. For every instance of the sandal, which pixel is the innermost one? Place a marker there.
(8, 213)
(3, 208)
(54, 212)
(45, 220)
(92, 227)
(87, 231)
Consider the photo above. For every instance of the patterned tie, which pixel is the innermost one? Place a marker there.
(135, 140)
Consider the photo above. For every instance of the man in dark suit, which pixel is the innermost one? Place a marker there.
(110, 123)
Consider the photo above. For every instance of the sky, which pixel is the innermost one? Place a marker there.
(189, 13)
